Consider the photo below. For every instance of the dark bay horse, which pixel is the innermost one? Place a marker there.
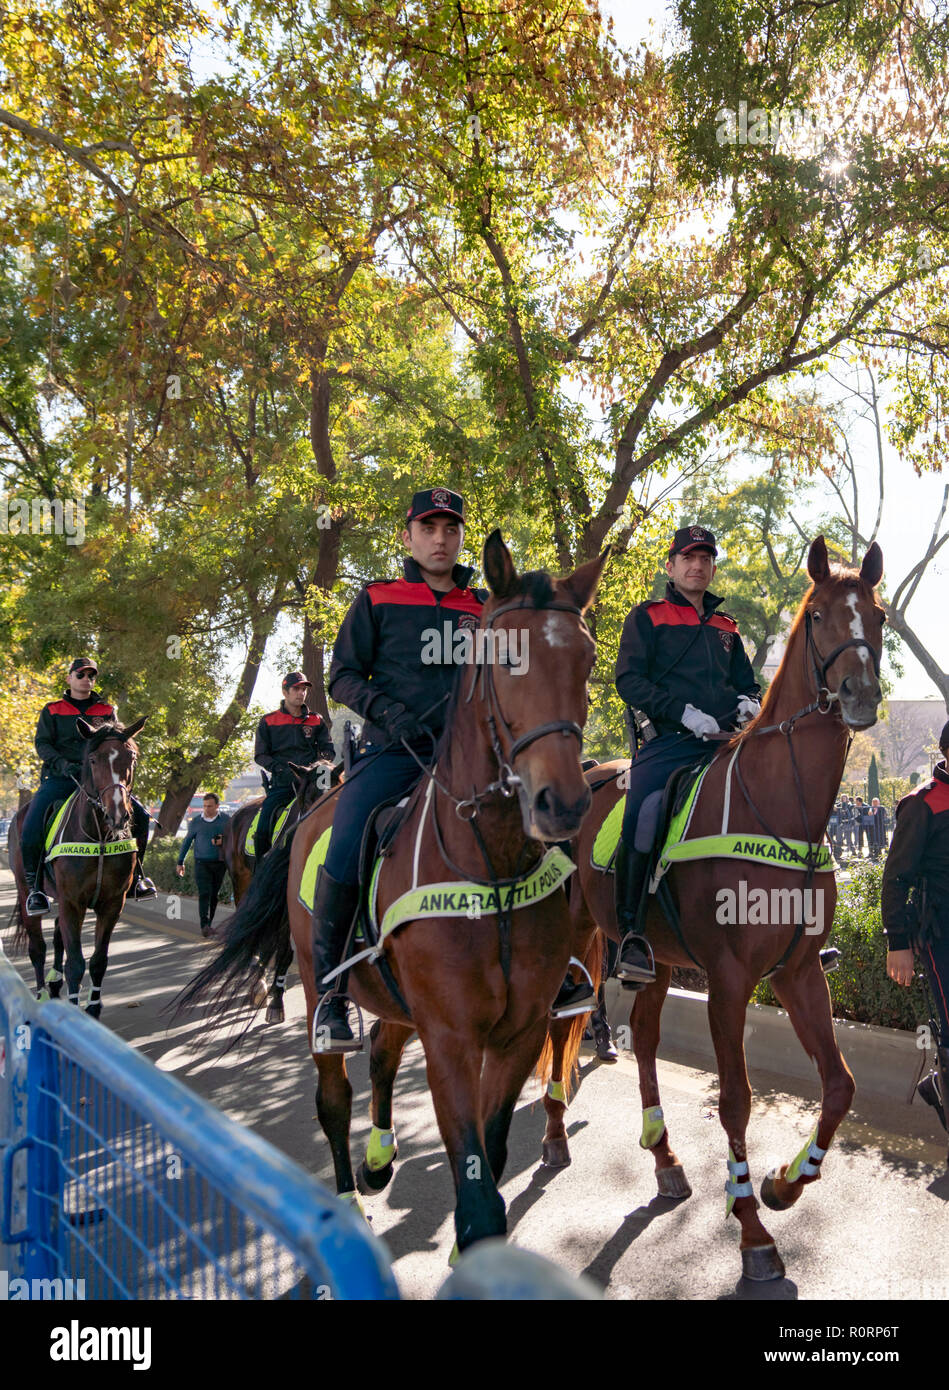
(786, 768)
(507, 778)
(91, 875)
(309, 783)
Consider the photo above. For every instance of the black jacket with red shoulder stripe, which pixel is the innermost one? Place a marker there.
(284, 738)
(669, 657)
(386, 648)
(919, 850)
(58, 741)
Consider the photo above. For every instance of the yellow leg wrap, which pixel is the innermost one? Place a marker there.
(455, 1255)
(802, 1166)
(352, 1199)
(555, 1091)
(380, 1149)
(654, 1127)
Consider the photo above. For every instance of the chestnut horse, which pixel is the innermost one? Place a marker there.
(787, 767)
(100, 816)
(478, 991)
(308, 785)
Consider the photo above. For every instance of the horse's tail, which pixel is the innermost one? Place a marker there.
(253, 937)
(593, 960)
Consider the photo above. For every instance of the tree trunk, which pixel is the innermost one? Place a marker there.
(186, 779)
(313, 669)
(934, 671)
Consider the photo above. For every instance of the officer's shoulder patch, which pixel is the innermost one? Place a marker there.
(732, 622)
(313, 719)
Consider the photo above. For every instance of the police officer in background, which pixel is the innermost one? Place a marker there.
(59, 745)
(682, 671)
(915, 907)
(290, 734)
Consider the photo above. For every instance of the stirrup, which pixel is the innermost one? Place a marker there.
(42, 903)
(144, 888)
(829, 959)
(632, 976)
(320, 1046)
(585, 1005)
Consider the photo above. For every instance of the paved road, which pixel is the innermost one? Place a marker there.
(874, 1227)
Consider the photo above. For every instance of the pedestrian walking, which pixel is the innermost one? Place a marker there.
(206, 833)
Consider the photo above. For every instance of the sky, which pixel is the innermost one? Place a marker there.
(911, 502)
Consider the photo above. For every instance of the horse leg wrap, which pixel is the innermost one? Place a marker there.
(654, 1127)
(379, 1150)
(352, 1199)
(53, 976)
(805, 1164)
(555, 1091)
(280, 982)
(74, 998)
(738, 1184)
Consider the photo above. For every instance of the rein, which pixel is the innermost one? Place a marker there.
(100, 833)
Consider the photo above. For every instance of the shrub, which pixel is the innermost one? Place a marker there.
(160, 865)
(859, 988)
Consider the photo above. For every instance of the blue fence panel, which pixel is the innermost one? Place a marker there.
(16, 1013)
(140, 1188)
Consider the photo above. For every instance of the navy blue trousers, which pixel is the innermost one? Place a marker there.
(57, 789)
(935, 957)
(652, 768)
(274, 802)
(372, 779)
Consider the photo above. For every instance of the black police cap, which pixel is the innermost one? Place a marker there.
(692, 538)
(436, 501)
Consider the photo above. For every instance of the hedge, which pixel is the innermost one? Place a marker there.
(160, 864)
(859, 988)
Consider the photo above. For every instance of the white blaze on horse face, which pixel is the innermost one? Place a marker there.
(557, 629)
(116, 785)
(856, 628)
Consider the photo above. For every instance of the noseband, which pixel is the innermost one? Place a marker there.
(822, 664)
(495, 715)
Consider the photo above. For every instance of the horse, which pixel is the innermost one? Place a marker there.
(783, 771)
(309, 783)
(95, 869)
(507, 780)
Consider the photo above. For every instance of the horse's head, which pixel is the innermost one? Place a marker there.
(309, 783)
(535, 653)
(108, 767)
(844, 625)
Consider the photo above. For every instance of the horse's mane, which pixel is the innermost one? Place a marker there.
(840, 576)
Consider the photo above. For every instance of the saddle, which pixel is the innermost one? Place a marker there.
(277, 827)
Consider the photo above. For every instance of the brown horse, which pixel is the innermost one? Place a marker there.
(309, 783)
(91, 876)
(478, 991)
(786, 770)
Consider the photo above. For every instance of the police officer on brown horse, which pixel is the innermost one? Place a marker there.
(60, 747)
(683, 672)
(291, 734)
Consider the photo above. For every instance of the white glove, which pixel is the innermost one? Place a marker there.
(699, 723)
(748, 708)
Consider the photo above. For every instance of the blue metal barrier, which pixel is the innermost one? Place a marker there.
(115, 1173)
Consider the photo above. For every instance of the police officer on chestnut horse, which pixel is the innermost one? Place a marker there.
(684, 673)
(59, 746)
(382, 669)
(291, 734)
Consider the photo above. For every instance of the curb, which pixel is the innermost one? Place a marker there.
(884, 1061)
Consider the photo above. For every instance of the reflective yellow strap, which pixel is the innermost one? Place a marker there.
(556, 1091)
(654, 1127)
(380, 1148)
(801, 1165)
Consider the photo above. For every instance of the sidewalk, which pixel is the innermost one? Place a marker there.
(175, 913)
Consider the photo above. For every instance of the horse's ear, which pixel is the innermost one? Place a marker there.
(872, 568)
(498, 566)
(818, 566)
(582, 584)
(132, 729)
(85, 729)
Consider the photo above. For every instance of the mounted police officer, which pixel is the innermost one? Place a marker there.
(683, 672)
(60, 747)
(915, 907)
(378, 671)
(290, 734)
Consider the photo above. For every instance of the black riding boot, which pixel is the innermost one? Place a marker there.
(333, 907)
(934, 1088)
(573, 998)
(636, 967)
(142, 887)
(37, 902)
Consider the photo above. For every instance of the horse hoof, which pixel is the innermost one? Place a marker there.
(605, 1049)
(556, 1153)
(672, 1182)
(769, 1194)
(93, 1010)
(761, 1263)
(375, 1179)
(55, 990)
(258, 995)
(275, 1013)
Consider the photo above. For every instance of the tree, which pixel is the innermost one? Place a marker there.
(873, 779)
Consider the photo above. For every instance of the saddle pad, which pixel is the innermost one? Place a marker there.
(316, 857)
(607, 837)
(58, 817)
(252, 829)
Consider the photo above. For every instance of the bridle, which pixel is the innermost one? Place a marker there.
(109, 832)
(508, 779)
(821, 665)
